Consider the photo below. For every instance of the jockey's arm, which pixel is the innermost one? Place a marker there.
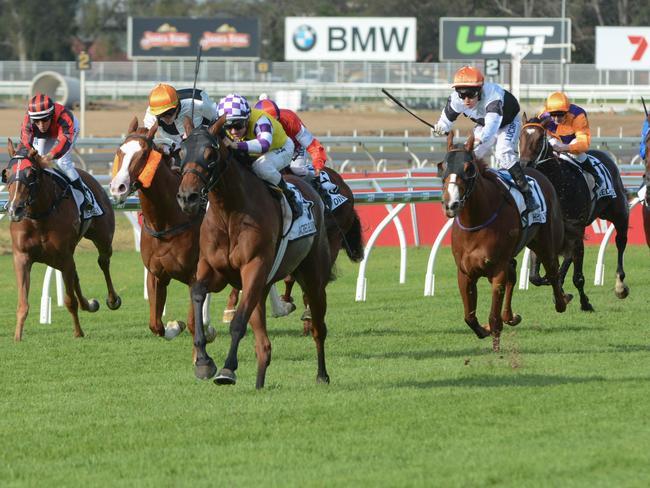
(65, 135)
(208, 108)
(493, 119)
(582, 135)
(313, 146)
(26, 132)
(453, 108)
(263, 131)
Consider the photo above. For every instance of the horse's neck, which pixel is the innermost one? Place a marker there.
(481, 203)
(158, 201)
(46, 194)
(236, 189)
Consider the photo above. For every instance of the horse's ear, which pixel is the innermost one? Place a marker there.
(216, 128)
(450, 140)
(524, 119)
(152, 131)
(188, 125)
(10, 148)
(133, 125)
(469, 145)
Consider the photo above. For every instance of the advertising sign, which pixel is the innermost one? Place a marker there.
(479, 38)
(350, 38)
(622, 48)
(179, 37)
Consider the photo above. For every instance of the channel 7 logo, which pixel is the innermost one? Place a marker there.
(641, 45)
(493, 40)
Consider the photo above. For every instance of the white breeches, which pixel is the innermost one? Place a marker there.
(505, 144)
(267, 166)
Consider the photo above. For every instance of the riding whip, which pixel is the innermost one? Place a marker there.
(402, 106)
(196, 75)
(644, 107)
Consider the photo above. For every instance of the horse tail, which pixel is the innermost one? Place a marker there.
(353, 240)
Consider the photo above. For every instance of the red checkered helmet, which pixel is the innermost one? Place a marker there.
(40, 107)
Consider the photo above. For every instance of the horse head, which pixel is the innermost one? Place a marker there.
(533, 143)
(22, 177)
(203, 162)
(135, 162)
(458, 172)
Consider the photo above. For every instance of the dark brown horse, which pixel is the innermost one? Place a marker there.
(487, 234)
(576, 201)
(46, 228)
(646, 182)
(240, 237)
(169, 241)
(343, 232)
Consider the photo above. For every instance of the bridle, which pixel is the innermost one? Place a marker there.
(545, 144)
(469, 180)
(194, 146)
(136, 183)
(30, 180)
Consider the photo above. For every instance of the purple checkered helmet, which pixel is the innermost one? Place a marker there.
(235, 107)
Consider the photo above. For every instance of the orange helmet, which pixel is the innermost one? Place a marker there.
(162, 98)
(468, 76)
(557, 102)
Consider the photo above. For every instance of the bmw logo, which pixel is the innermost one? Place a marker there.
(304, 38)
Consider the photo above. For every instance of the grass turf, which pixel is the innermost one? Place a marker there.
(415, 398)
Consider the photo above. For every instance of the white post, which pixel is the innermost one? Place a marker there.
(82, 101)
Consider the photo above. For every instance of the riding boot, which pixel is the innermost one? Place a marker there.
(589, 168)
(87, 204)
(517, 174)
(296, 208)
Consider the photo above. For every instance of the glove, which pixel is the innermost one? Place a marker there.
(47, 159)
(229, 143)
(558, 146)
(439, 129)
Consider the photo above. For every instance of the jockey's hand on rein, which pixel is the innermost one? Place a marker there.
(229, 143)
(47, 159)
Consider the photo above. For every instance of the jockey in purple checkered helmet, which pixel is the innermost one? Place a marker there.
(234, 107)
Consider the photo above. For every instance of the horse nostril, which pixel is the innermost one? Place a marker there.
(121, 188)
(193, 198)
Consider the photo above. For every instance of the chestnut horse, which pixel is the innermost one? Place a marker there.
(646, 182)
(169, 241)
(487, 233)
(240, 236)
(343, 232)
(46, 227)
(576, 201)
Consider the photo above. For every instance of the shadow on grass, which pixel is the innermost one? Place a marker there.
(519, 380)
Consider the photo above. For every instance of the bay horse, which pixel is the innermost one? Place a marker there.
(576, 202)
(343, 232)
(169, 241)
(240, 236)
(46, 227)
(646, 182)
(487, 234)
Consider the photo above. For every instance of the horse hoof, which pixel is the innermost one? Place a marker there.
(285, 308)
(226, 377)
(173, 329)
(93, 305)
(622, 293)
(210, 333)
(323, 379)
(538, 281)
(228, 315)
(205, 369)
(482, 332)
(115, 305)
(516, 319)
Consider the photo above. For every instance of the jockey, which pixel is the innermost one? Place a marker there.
(169, 107)
(303, 140)
(52, 130)
(494, 110)
(569, 131)
(644, 135)
(262, 137)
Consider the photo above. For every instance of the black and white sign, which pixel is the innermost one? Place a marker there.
(492, 67)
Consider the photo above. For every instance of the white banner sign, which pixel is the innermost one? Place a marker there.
(622, 48)
(350, 38)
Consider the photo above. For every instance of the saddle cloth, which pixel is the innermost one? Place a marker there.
(333, 190)
(64, 181)
(527, 219)
(608, 188)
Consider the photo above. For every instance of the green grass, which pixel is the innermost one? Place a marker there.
(415, 398)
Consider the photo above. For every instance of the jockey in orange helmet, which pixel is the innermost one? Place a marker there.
(52, 130)
(569, 130)
(169, 107)
(495, 112)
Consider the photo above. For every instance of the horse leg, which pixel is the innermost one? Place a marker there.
(71, 282)
(511, 279)
(535, 277)
(157, 292)
(262, 342)
(552, 268)
(467, 287)
(231, 306)
(499, 281)
(113, 300)
(23, 267)
(204, 367)
(579, 277)
(566, 264)
(91, 305)
(306, 317)
(621, 289)
(314, 288)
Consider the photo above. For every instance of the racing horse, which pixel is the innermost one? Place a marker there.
(169, 241)
(576, 201)
(646, 182)
(487, 234)
(240, 236)
(46, 227)
(343, 232)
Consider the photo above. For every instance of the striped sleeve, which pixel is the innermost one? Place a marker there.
(263, 137)
(26, 132)
(65, 134)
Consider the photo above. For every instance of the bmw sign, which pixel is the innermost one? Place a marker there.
(304, 38)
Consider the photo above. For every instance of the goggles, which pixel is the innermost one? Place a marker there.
(235, 124)
(470, 93)
(167, 114)
(558, 115)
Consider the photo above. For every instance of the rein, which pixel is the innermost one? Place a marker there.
(545, 145)
(173, 231)
(209, 167)
(484, 224)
